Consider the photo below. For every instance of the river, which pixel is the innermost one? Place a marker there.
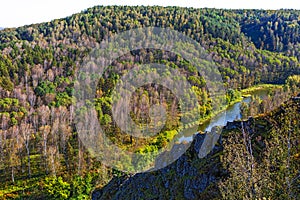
(232, 113)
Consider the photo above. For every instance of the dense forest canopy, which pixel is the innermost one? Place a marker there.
(39, 63)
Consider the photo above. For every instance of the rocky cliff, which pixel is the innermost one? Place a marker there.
(186, 178)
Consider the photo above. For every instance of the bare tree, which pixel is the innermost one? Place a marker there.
(26, 134)
(13, 147)
(44, 118)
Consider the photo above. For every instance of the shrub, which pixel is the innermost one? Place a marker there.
(57, 188)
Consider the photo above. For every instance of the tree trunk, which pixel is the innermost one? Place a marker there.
(12, 175)
(28, 156)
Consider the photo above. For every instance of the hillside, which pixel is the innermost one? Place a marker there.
(41, 154)
(249, 161)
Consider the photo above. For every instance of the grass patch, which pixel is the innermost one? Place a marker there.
(248, 91)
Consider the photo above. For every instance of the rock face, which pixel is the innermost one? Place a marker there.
(238, 124)
(186, 178)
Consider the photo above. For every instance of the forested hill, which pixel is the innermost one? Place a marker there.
(236, 40)
(41, 155)
(248, 161)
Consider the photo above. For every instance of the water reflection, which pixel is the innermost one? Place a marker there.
(232, 113)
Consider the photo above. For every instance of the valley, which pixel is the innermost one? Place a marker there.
(241, 82)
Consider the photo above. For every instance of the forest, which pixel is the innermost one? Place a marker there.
(254, 159)
(41, 154)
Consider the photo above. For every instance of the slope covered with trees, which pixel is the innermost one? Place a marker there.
(253, 159)
(39, 145)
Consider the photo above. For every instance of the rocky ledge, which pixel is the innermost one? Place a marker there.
(186, 178)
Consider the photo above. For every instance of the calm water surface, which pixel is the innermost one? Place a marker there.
(232, 113)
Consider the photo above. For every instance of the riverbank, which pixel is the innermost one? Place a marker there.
(261, 90)
(198, 125)
(248, 91)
